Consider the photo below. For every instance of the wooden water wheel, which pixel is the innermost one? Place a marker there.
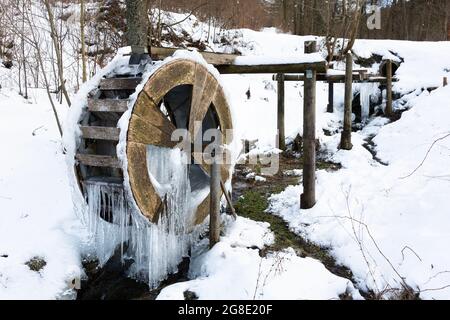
(176, 96)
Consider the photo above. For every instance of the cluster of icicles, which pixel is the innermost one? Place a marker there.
(366, 92)
(156, 249)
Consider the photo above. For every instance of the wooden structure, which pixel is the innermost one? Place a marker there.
(176, 96)
(385, 78)
(309, 77)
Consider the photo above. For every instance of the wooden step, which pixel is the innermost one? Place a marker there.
(107, 105)
(120, 83)
(104, 182)
(98, 161)
(100, 133)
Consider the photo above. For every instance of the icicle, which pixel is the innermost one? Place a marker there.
(106, 201)
(367, 90)
(156, 250)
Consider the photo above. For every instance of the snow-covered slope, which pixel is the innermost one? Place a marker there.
(234, 269)
(387, 223)
(37, 219)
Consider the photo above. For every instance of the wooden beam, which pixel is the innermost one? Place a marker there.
(356, 77)
(308, 198)
(330, 106)
(226, 63)
(98, 161)
(104, 181)
(100, 133)
(346, 138)
(107, 105)
(215, 195)
(389, 110)
(381, 80)
(320, 66)
(280, 114)
(120, 83)
(213, 58)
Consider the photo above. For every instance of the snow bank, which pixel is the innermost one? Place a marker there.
(37, 219)
(234, 269)
(381, 222)
(425, 63)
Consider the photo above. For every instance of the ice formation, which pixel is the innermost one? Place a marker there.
(367, 90)
(157, 249)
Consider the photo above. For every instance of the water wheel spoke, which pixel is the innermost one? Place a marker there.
(144, 132)
(149, 125)
(147, 109)
(203, 93)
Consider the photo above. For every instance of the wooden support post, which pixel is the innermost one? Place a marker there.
(330, 107)
(280, 122)
(215, 192)
(389, 111)
(445, 82)
(346, 138)
(448, 31)
(308, 198)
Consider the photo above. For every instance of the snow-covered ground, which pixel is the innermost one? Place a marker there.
(37, 219)
(388, 224)
(389, 228)
(233, 269)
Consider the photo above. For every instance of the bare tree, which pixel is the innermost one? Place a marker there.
(31, 34)
(57, 45)
(83, 40)
(24, 60)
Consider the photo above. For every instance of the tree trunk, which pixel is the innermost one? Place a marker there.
(137, 23)
(23, 53)
(40, 63)
(83, 42)
(58, 49)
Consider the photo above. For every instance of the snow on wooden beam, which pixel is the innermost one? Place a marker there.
(235, 64)
(273, 68)
(276, 64)
(100, 133)
(338, 78)
(210, 57)
(107, 105)
(98, 161)
(113, 84)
